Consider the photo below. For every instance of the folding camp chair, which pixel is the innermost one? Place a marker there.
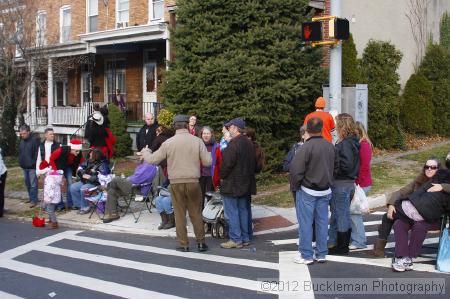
(135, 203)
(444, 219)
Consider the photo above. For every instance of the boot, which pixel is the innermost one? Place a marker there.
(171, 221)
(378, 248)
(164, 219)
(343, 240)
(52, 225)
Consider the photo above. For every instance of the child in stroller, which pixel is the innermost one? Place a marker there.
(213, 215)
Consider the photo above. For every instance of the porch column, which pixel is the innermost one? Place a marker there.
(50, 93)
(167, 48)
(32, 111)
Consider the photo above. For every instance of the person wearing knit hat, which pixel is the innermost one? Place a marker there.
(67, 158)
(327, 118)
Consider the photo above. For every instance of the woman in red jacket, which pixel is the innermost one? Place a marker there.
(364, 180)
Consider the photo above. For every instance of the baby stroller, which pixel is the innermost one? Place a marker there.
(213, 215)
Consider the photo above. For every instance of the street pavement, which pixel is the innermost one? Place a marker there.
(68, 263)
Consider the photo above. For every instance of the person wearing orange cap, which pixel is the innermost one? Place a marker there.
(327, 118)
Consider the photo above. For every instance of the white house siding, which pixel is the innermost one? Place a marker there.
(386, 20)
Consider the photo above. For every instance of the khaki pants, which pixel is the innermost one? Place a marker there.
(116, 188)
(188, 197)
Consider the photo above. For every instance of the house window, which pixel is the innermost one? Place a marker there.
(65, 23)
(123, 11)
(85, 86)
(156, 9)
(115, 78)
(60, 93)
(41, 25)
(19, 38)
(92, 16)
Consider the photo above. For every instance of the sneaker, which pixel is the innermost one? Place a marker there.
(83, 212)
(320, 260)
(408, 264)
(398, 265)
(352, 247)
(33, 205)
(246, 243)
(300, 260)
(231, 244)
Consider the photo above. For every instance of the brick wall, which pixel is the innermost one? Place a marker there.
(326, 49)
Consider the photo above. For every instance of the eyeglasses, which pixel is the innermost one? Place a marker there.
(430, 167)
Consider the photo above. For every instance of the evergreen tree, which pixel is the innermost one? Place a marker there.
(245, 59)
(118, 127)
(417, 106)
(435, 67)
(445, 31)
(379, 63)
(351, 73)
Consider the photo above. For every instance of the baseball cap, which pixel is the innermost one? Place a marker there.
(238, 122)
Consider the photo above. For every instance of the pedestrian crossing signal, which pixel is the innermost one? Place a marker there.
(342, 29)
(311, 31)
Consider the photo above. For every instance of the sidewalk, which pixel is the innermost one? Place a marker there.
(266, 219)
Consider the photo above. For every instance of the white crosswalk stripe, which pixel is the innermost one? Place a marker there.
(8, 260)
(372, 233)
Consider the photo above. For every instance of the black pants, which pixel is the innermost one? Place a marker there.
(2, 192)
(384, 230)
(206, 185)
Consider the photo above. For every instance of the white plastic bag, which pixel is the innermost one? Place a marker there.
(360, 203)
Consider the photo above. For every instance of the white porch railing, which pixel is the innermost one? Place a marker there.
(72, 116)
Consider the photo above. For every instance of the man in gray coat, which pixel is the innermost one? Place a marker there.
(184, 153)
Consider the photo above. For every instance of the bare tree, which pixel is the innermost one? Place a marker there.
(418, 20)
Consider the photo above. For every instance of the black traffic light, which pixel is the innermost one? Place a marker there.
(312, 31)
(342, 29)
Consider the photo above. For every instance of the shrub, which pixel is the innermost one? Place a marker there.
(417, 106)
(118, 127)
(435, 67)
(165, 118)
(379, 65)
(351, 72)
(445, 31)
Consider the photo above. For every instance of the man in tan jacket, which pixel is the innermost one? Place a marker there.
(184, 152)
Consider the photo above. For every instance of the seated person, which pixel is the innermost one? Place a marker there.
(163, 203)
(420, 212)
(431, 166)
(88, 178)
(119, 187)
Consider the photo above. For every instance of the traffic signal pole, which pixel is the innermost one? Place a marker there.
(335, 65)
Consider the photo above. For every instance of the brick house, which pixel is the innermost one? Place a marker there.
(93, 48)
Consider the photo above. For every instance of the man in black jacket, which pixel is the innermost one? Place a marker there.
(147, 133)
(311, 175)
(237, 182)
(28, 150)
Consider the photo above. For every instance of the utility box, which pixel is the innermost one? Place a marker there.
(355, 99)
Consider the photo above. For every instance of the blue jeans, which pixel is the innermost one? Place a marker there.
(250, 217)
(50, 208)
(340, 212)
(312, 208)
(236, 215)
(68, 176)
(358, 231)
(164, 204)
(78, 195)
(31, 183)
